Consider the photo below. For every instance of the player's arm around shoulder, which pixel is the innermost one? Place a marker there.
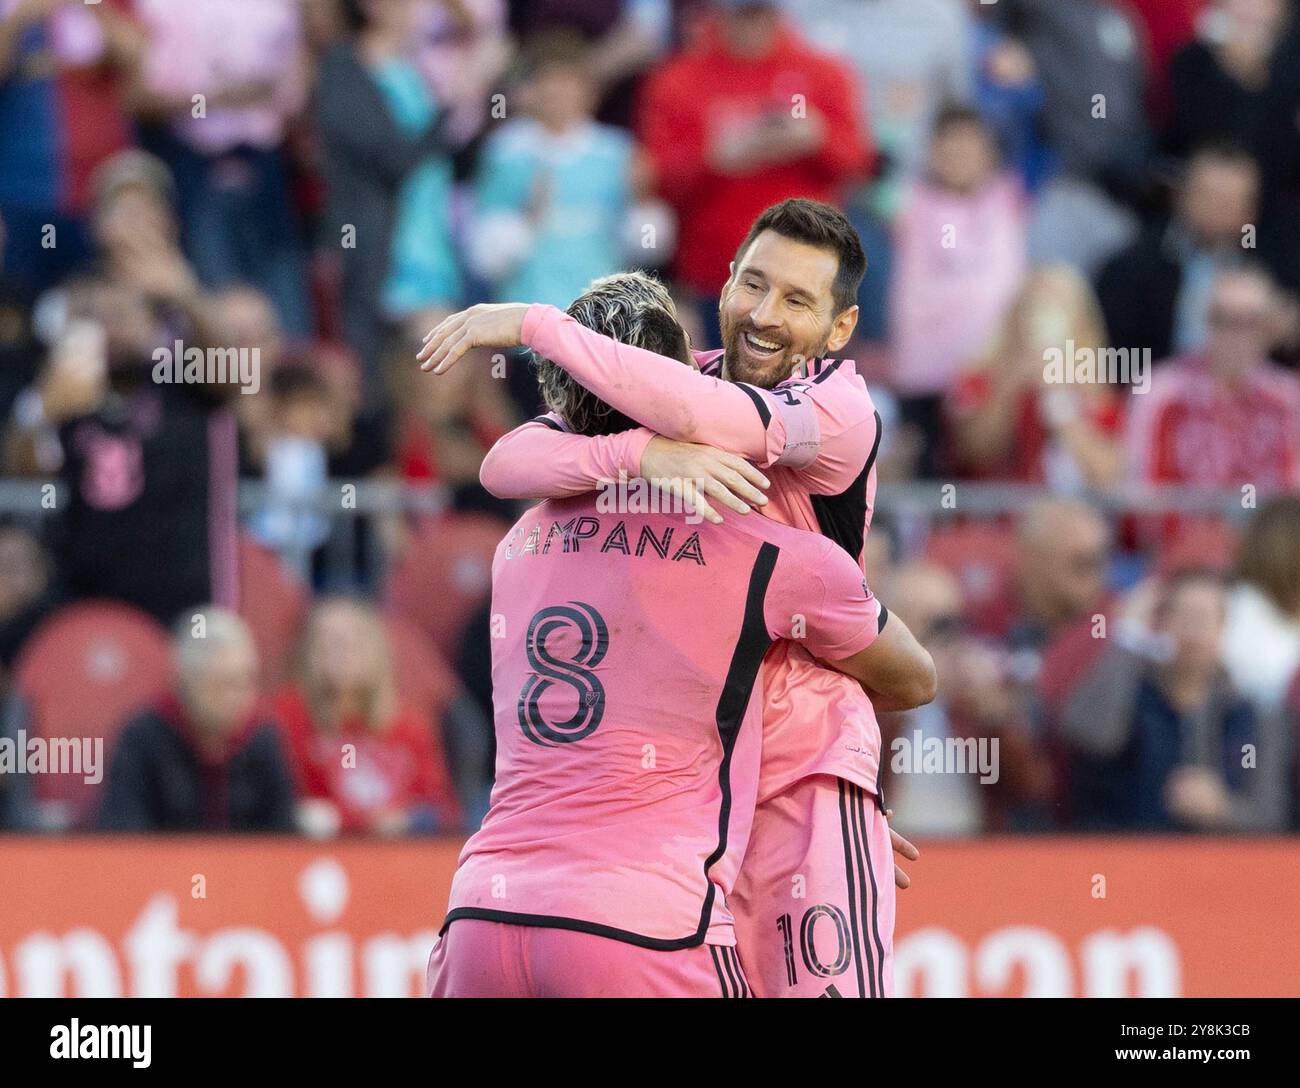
(894, 669)
(541, 460)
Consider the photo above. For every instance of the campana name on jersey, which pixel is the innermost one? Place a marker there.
(668, 543)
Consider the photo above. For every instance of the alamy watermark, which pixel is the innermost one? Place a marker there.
(919, 754)
(1074, 365)
(651, 496)
(181, 365)
(115, 1042)
(53, 755)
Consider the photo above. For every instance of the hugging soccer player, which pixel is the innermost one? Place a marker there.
(628, 732)
(814, 900)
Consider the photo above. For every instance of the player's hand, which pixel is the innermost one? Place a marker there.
(700, 473)
(487, 325)
(901, 846)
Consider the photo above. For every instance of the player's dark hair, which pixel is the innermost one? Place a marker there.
(823, 226)
(633, 309)
(355, 16)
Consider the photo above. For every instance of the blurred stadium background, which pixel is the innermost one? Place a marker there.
(1109, 580)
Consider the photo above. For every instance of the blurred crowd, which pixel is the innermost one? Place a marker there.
(308, 186)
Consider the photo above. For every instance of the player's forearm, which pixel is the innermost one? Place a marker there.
(895, 671)
(663, 394)
(536, 462)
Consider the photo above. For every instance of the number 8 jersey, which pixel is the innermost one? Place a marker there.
(625, 654)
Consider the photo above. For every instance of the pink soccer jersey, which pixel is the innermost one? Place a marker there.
(624, 658)
(815, 437)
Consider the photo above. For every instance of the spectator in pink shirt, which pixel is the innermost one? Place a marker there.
(221, 81)
(959, 261)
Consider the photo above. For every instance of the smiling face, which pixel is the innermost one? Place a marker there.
(778, 309)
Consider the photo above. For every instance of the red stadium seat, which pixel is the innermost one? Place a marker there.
(984, 560)
(83, 673)
(273, 602)
(444, 575)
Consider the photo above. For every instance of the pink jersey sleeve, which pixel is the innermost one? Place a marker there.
(824, 426)
(819, 599)
(541, 460)
(670, 398)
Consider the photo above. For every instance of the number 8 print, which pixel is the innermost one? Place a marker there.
(576, 672)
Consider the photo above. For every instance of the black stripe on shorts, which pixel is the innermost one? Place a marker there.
(855, 882)
(860, 802)
(717, 966)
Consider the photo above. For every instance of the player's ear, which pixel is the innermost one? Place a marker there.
(842, 329)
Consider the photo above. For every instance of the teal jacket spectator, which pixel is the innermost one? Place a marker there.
(551, 209)
(554, 187)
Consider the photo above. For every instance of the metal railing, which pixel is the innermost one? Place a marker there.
(934, 498)
(915, 506)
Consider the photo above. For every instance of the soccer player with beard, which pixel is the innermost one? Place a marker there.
(814, 902)
(623, 798)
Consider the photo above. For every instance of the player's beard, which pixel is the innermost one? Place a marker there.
(741, 365)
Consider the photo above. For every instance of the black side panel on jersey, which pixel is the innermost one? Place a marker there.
(843, 517)
(742, 673)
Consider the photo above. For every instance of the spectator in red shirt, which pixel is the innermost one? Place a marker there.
(747, 117)
(363, 760)
(1226, 416)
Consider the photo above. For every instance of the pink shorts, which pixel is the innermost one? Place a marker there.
(814, 902)
(477, 958)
